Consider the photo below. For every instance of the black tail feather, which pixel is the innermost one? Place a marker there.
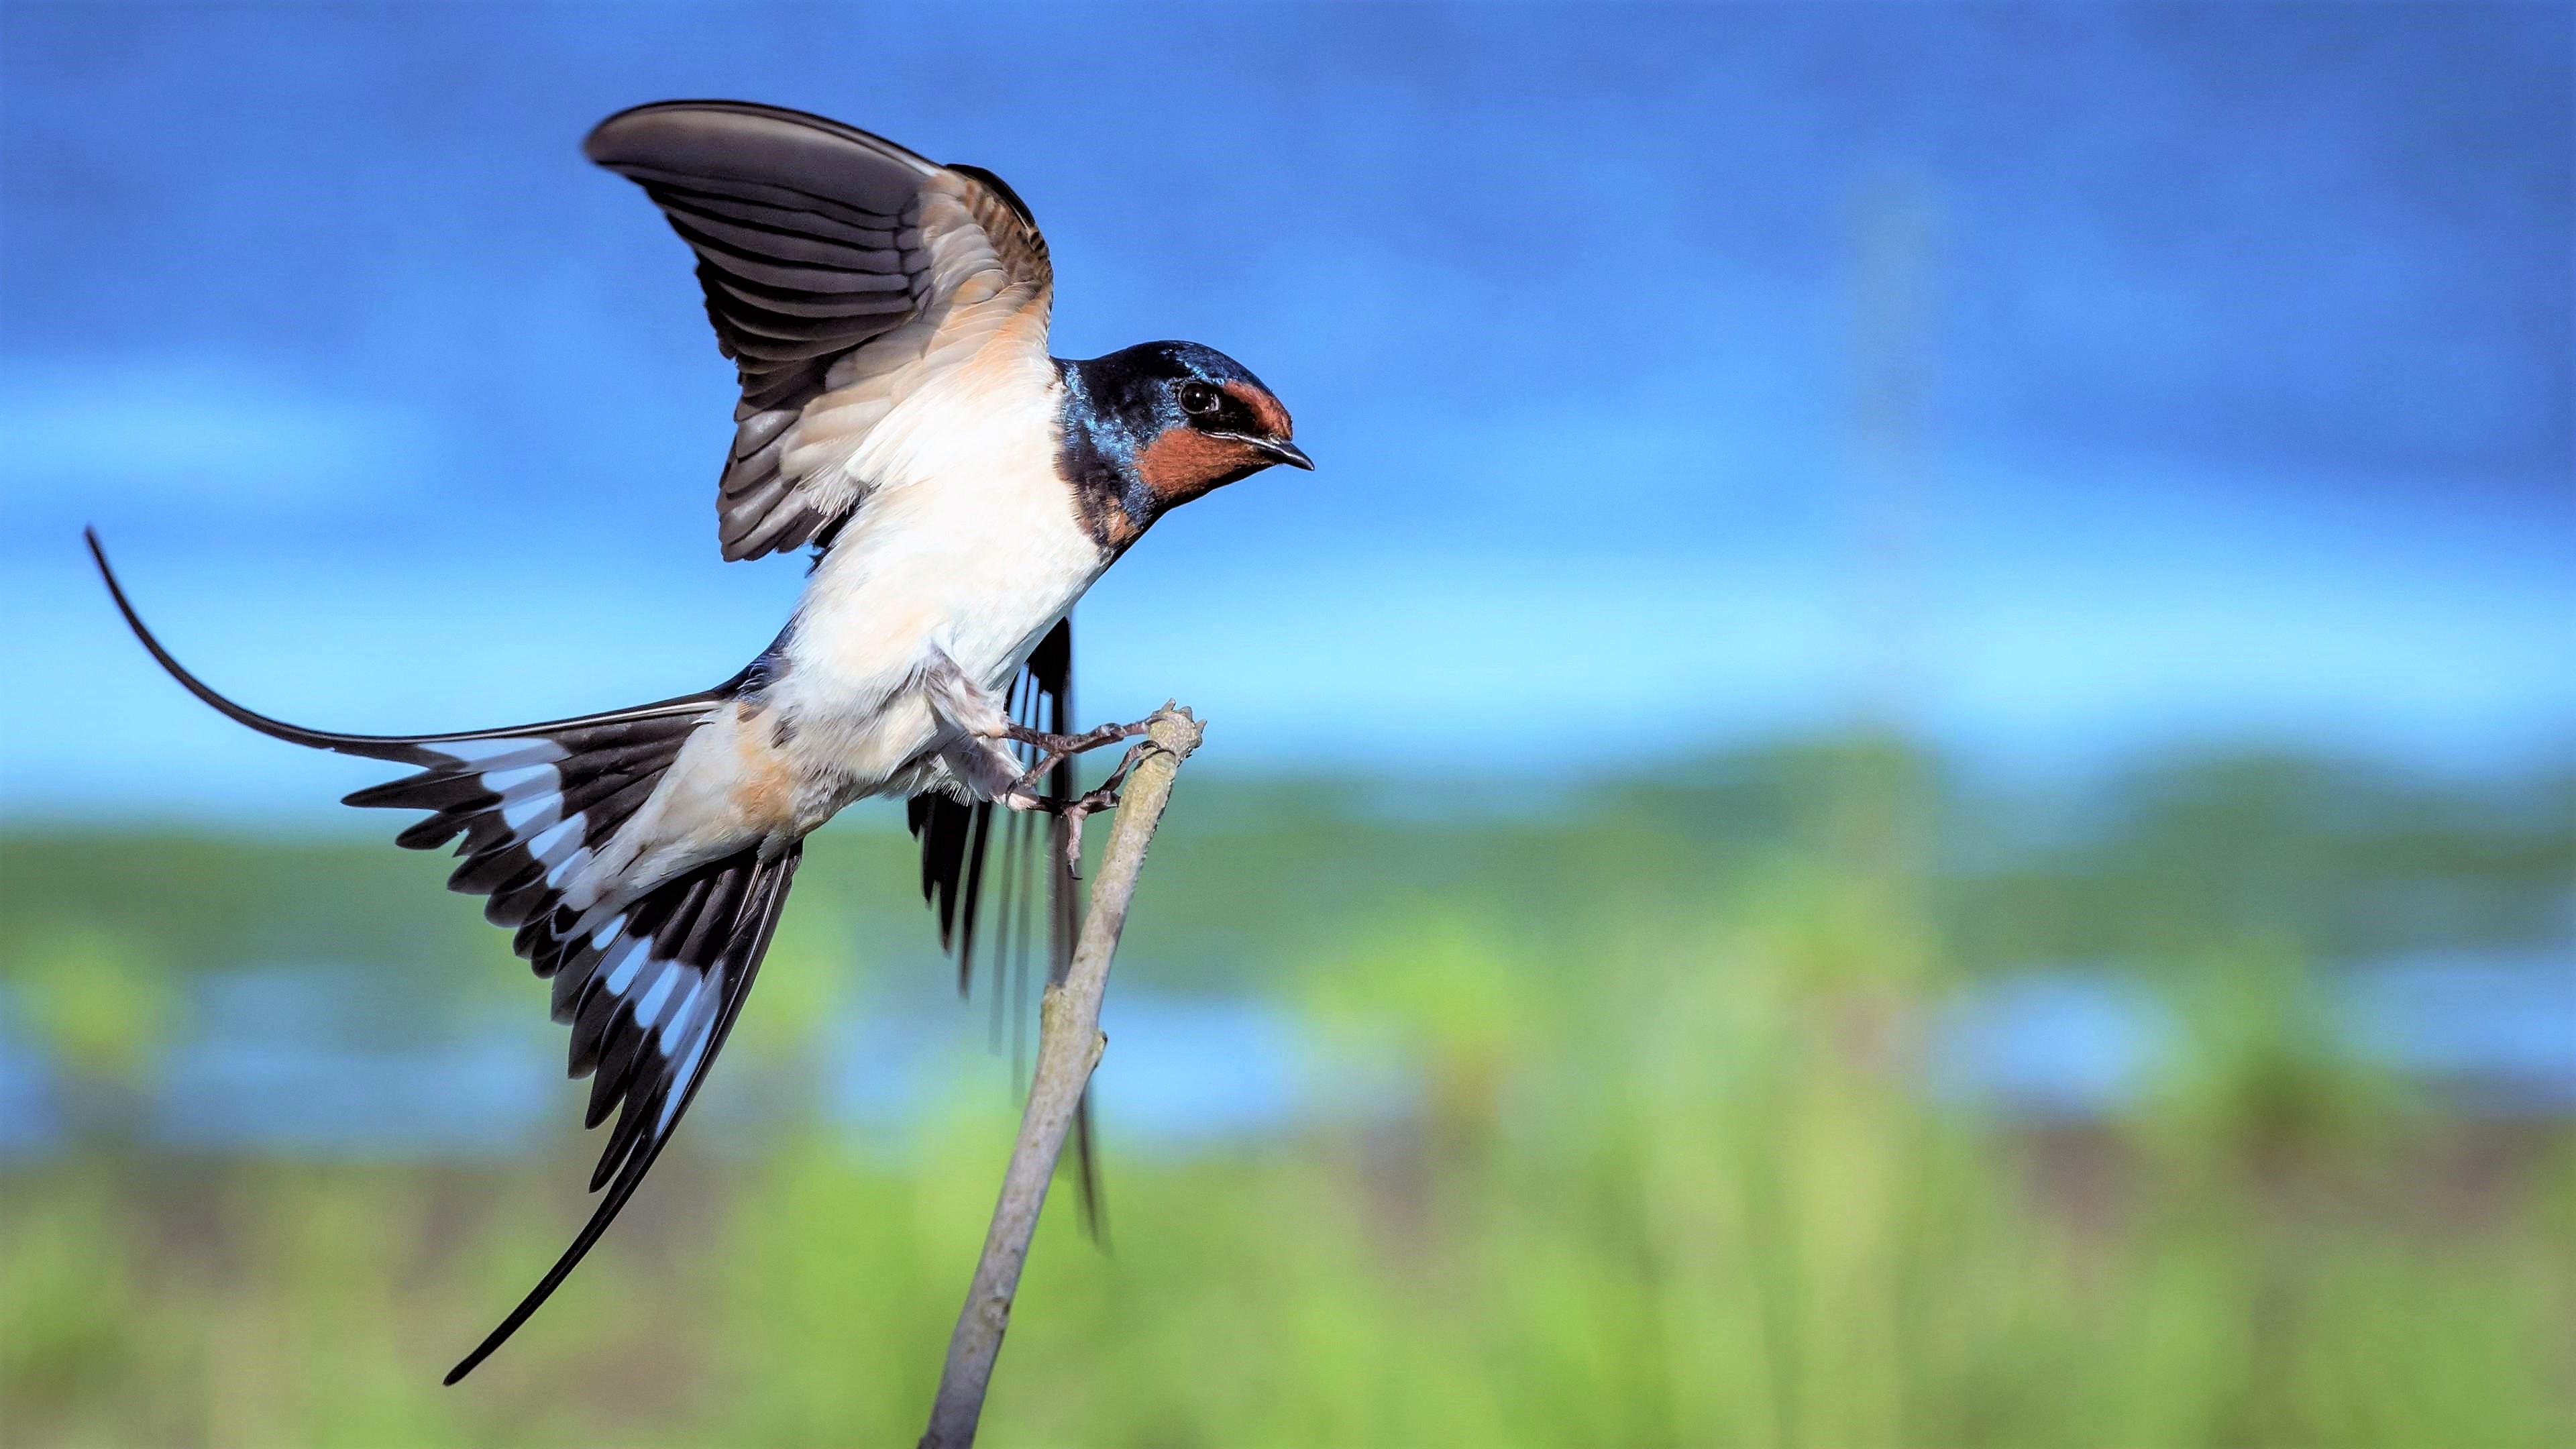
(652, 994)
(407, 749)
(719, 920)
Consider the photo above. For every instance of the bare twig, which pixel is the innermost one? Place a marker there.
(1069, 1046)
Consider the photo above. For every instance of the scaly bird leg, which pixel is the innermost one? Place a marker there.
(1082, 806)
(1053, 749)
(979, 761)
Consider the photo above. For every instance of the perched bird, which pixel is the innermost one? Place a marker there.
(961, 489)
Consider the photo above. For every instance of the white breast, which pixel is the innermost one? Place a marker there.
(971, 545)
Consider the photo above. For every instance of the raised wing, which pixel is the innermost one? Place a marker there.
(841, 272)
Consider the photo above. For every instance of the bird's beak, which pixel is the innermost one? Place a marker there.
(1280, 450)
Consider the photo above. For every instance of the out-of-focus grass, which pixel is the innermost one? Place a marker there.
(1670, 1178)
(1736, 1229)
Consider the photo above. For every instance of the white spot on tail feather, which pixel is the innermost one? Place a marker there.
(518, 781)
(650, 1008)
(531, 801)
(558, 841)
(535, 813)
(680, 1013)
(571, 863)
(688, 1070)
(628, 963)
(501, 754)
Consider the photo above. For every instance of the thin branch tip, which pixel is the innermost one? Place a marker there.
(1070, 1045)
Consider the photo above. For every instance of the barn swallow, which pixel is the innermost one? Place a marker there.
(961, 489)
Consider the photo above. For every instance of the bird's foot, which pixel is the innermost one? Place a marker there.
(1081, 807)
(1053, 749)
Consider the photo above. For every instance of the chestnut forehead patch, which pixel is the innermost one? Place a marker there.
(1265, 409)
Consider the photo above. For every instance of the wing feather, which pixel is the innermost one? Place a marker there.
(837, 268)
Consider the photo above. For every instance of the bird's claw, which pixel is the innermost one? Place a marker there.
(1075, 811)
(1053, 749)
(1081, 807)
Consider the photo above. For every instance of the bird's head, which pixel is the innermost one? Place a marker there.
(1172, 421)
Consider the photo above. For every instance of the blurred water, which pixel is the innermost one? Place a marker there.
(2486, 1034)
(2497, 1032)
(300, 1062)
(1181, 1073)
(2070, 1044)
(31, 1117)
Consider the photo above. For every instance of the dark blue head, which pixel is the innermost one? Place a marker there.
(1150, 427)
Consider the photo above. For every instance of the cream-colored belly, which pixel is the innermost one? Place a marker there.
(968, 548)
(971, 567)
(978, 579)
(975, 586)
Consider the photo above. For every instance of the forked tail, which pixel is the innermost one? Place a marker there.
(650, 993)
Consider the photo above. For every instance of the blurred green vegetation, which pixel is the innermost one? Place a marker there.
(1670, 1179)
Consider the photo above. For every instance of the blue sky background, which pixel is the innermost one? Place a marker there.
(2232, 353)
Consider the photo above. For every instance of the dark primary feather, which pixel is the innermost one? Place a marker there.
(810, 245)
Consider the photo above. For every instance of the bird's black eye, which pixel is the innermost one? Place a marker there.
(1198, 398)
